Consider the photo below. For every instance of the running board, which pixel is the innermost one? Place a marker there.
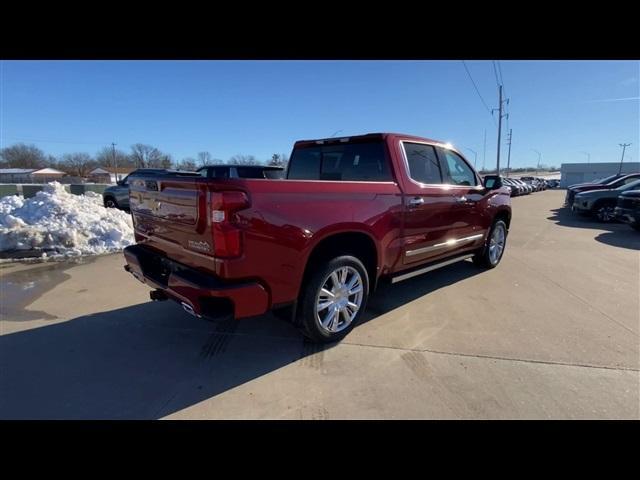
(429, 268)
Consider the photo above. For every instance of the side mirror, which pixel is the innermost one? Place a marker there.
(492, 182)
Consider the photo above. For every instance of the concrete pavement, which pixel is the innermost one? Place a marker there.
(553, 332)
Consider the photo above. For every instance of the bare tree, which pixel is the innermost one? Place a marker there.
(243, 160)
(105, 158)
(279, 160)
(165, 161)
(22, 156)
(79, 164)
(188, 164)
(147, 156)
(204, 159)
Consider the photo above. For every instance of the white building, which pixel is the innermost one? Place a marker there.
(30, 175)
(108, 174)
(572, 173)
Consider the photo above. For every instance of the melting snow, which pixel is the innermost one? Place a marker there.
(61, 224)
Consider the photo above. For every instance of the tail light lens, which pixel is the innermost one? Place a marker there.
(227, 241)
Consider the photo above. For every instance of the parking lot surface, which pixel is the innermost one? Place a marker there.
(552, 332)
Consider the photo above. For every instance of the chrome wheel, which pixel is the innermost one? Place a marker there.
(339, 299)
(109, 203)
(496, 243)
(605, 214)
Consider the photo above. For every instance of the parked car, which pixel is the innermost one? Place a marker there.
(117, 196)
(606, 183)
(532, 182)
(600, 181)
(552, 183)
(526, 188)
(542, 183)
(351, 212)
(242, 171)
(628, 208)
(514, 187)
(602, 202)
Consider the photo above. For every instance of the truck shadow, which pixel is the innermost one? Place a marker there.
(618, 235)
(150, 360)
(623, 239)
(566, 218)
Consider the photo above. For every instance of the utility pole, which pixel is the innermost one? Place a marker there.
(475, 157)
(500, 115)
(484, 152)
(624, 147)
(588, 157)
(115, 162)
(539, 157)
(509, 156)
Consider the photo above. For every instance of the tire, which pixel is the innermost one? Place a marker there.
(486, 257)
(110, 202)
(333, 322)
(603, 211)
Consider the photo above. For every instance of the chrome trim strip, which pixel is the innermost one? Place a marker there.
(448, 244)
(415, 273)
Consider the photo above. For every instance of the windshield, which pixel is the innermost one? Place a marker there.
(606, 180)
(629, 186)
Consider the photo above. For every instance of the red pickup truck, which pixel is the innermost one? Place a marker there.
(350, 212)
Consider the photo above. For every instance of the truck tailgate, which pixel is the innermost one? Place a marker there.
(170, 213)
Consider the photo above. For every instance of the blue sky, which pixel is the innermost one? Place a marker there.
(560, 108)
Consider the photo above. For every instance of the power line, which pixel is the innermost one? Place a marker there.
(478, 91)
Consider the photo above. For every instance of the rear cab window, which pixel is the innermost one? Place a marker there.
(358, 161)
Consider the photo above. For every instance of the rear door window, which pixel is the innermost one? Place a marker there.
(424, 166)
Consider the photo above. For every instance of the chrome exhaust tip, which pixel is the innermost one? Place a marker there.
(189, 309)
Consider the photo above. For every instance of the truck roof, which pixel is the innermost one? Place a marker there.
(367, 136)
(262, 167)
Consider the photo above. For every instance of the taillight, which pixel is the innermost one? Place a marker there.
(227, 241)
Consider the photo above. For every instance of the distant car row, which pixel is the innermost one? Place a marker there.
(526, 185)
(613, 198)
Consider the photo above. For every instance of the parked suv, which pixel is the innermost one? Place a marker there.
(628, 208)
(117, 196)
(614, 181)
(601, 203)
(351, 212)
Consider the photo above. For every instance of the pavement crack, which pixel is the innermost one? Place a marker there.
(492, 357)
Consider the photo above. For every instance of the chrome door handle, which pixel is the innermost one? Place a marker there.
(461, 199)
(414, 202)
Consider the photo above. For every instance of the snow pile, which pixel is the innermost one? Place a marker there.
(59, 223)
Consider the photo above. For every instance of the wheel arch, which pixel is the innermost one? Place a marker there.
(356, 243)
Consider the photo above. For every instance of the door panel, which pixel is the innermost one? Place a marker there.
(427, 223)
(468, 192)
(441, 216)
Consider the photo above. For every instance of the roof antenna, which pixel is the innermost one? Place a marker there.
(335, 133)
